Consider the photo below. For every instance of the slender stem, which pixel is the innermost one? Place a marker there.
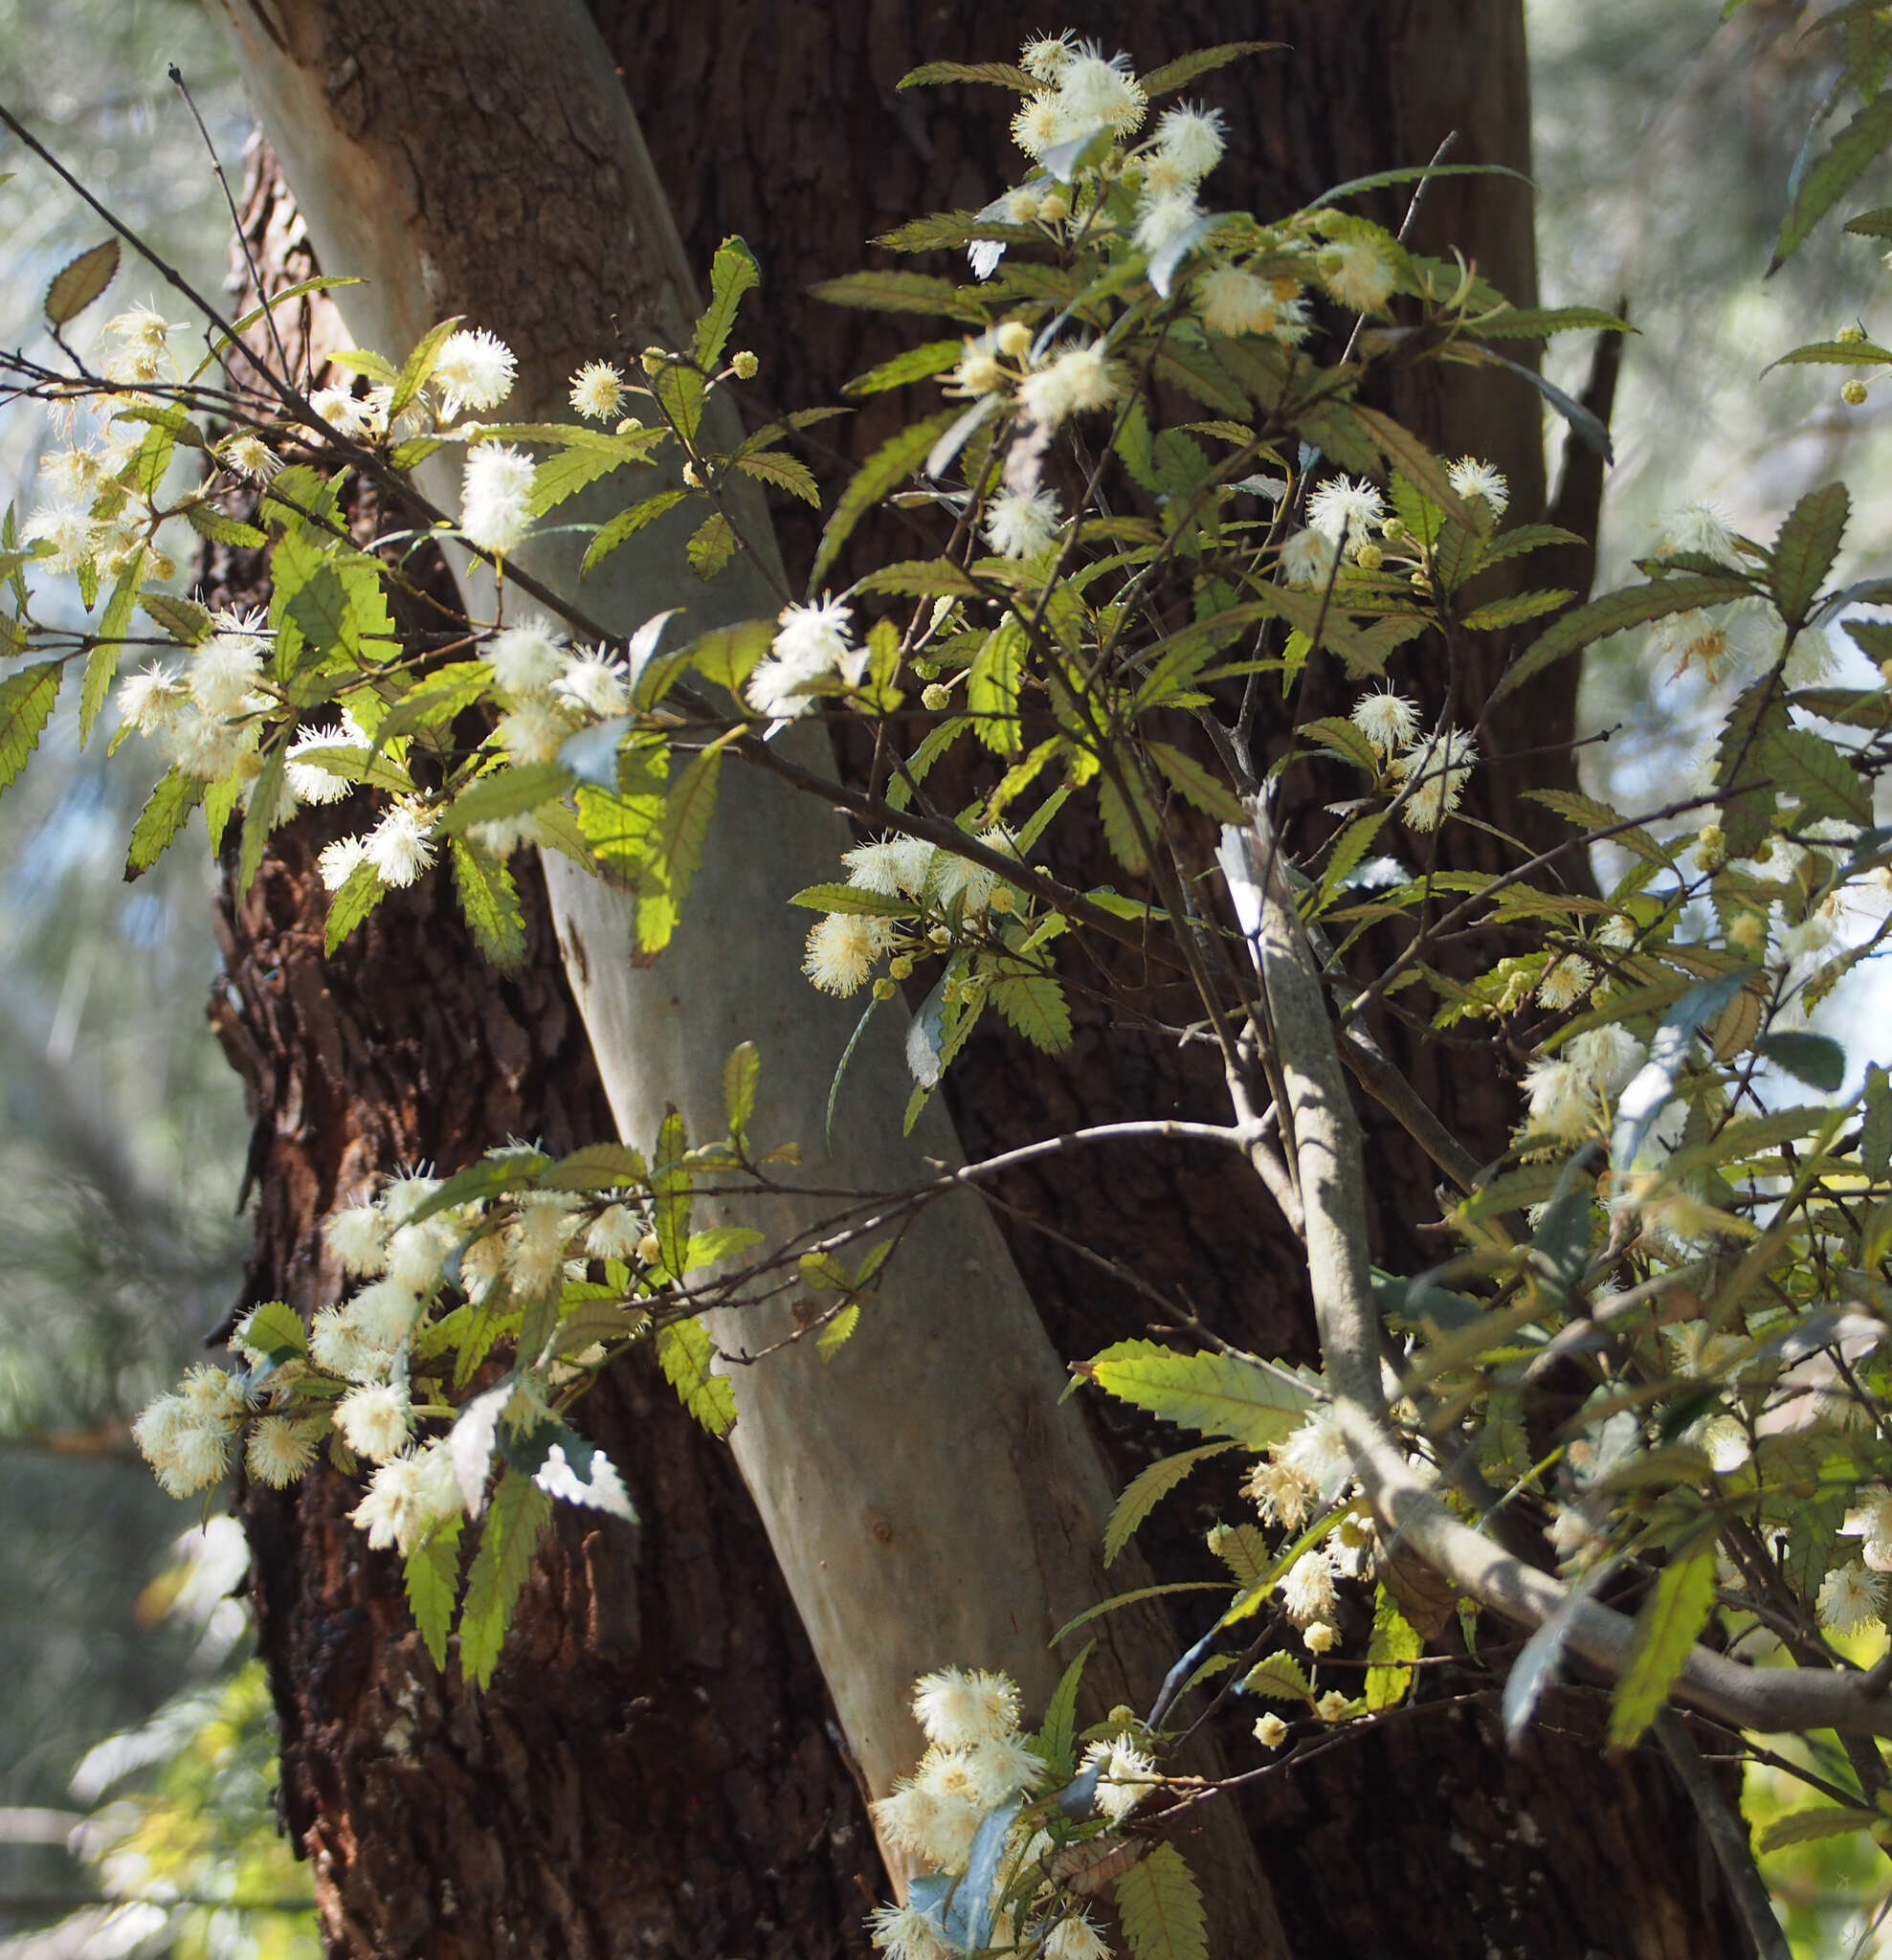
(1728, 1836)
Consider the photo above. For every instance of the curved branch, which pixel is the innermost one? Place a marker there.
(1332, 1179)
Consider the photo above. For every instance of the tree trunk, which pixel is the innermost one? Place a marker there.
(799, 108)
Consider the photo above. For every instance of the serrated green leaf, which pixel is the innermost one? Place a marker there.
(1537, 323)
(627, 523)
(489, 901)
(784, 471)
(597, 1167)
(419, 366)
(434, 700)
(1815, 1059)
(274, 1329)
(888, 467)
(514, 1520)
(992, 688)
(1055, 1740)
(80, 281)
(1835, 354)
(1160, 1907)
(1876, 1124)
(1871, 224)
(1003, 74)
(1197, 786)
(677, 851)
(1120, 828)
(1672, 1617)
(740, 1073)
(853, 899)
(262, 815)
(1244, 1550)
(711, 546)
(917, 363)
(1147, 1489)
(432, 1577)
(1586, 814)
(1821, 188)
(732, 273)
(903, 292)
(211, 524)
(26, 704)
(1338, 735)
(1185, 68)
(359, 895)
(160, 819)
(1804, 552)
(1349, 849)
(1219, 1394)
(1390, 1654)
(1809, 766)
(684, 1352)
(1614, 614)
(1035, 1005)
(1504, 612)
(506, 793)
(1280, 1678)
(187, 622)
(920, 578)
(102, 663)
(1416, 463)
(1822, 1821)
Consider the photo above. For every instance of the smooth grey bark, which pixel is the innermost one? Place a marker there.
(928, 1497)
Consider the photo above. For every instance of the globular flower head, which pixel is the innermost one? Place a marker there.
(343, 411)
(374, 1421)
(903, 1933)
(1236, 302)
(1271, 1731)
(279, 1449)
(224, 672)
(473, 370)
(597, 392)
(340, 860)
(251, 457)
(1565, 982)
(1071, 382)
(1851, 1596)
(1357, 274)
(1191, 137)
(1041, 121)
(1020, 525)
(1872, 1520)
(1307, 1588)
(1317, 1449)
(597, 680)
(615, 1233)
(1438, 770)
(815, 636)
(1282, 1494)
(1346, 511)
(534, 731)
(1606, 1058)
(842, 947)
(1472, 477)
(187, 1449)
(384, 1313)
(409, 1496)
(958, 1709)
(1308, 558)
(1076, 1938)
(1042, 56)
(1387, 719)
(1563, 1100)
(69, 529)
(151, 700)
(896, 866)
(1095, 89)
(357, 1237)
(401, 845)
(1700, 527)
(1162, 216)
(1124, 1777)
(496, 495)
(527, 656)
(309, 782)
(536, 1243)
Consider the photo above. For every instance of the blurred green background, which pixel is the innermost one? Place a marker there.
(134, 1750)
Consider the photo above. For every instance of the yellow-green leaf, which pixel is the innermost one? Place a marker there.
(1160, 1906)
(1219, 1394)
(1671, 1616)
(684, 1352)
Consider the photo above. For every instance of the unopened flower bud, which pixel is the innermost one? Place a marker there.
(883, 988)
(1001, 900)
(1748, 932)
(1393, 529)
(1852, 394)
(1319, 1638)
(934, 697)
(1271, 1731)
(164, 566)
(927, 670)
(653, 360)
(1053, 207)
(900, 966)
(1370, 558)
(940, 936)
(1014, 338)
(649, 1249)
(629, 423)
(1711, 847)
(1421, 582)
(1121, 1717)
(1850, 336)
(746, 365)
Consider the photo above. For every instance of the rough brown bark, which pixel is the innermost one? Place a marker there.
(651, 1770)
(668, 1792)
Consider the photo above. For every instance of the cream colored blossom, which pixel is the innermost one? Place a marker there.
(473, 370)
(597, 392)
(496, 494)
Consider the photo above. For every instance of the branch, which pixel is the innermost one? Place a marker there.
(1332, 1180)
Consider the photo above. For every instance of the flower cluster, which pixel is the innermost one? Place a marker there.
(809, 646)
(977, 1762)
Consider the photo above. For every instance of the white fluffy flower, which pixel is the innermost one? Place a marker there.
(1076, 1938)
(536, 1243)
(1124, 1777)
(384, 1313)
(224, 671)
(842, 947)
(409, 1496)
(186, 1449)
(401, 845)
(1282, 1494)
(1042, 120)
(615, 1233)
(1318, 1450)
(597, 680)
(534, 731)
(496, 494)
(71, 532)
(1191, 137)
(308, 781)
(1697, 527)
(810, 641)
(527, 656)
(1563, 1100)
(475, 369)
(1850, 1597)
(1346, 511)
(1094, 89)
(279, 1449)
(1438, 770)
(356, 1238)
(1471, 477)
(1235, 303)
(1164, 218)
(1606, 1058)
(1021, 526)
(896, 866)
(340, 860)
(339, 407)
(151, 700)
(1565, 982)
(1307, 1588)
(1387, 719)
(597, 392)
(1042, 56)
(903, 1933)
(249, 457)
(374, 1421)
(957, 1708)
(1872, 1520)
(1308, 558)
(1073, 382)
(1356, 274)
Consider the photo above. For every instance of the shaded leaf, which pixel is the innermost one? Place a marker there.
(1147, 1489)
(1803, 555)
(514, 1521)
(1160, 1907)
(1853, 149)
(80, 281)
(432, 1576)
(1614, 614)
(890, 465)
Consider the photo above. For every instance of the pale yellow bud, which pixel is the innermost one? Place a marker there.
(1001, 900)
(1370, 558)
(629, 423)
(1271, 1731)
(1748, 932)
(1850, 336)
(693, 475)
(900, 966)
(1852, 394)
(1014, 338)
(746, 364)
(1054, 208)
(934, 697)
(653, 360)
(649, 1249)
(883, 988)
(940, 936)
